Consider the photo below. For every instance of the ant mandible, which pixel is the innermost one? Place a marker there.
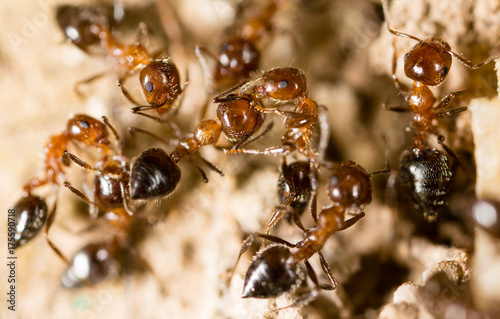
(427, 64)
(275, 269)
(159, 77)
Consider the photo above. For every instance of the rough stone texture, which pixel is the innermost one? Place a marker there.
(346, 53)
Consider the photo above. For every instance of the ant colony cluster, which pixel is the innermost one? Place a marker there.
(356, 200)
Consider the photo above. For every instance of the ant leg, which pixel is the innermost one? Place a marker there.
(69, 156)
(445, 101)
(385, 8)
(118, 145)
(468, 63)
(244, 247)
(348, 223)
(83, 196)
(247, 141)
(304, 300)
(132, 130)
(327, 271)
(227, 97)
(50, 220)
(142, 33)
(268, 151)
(278, 214)
(209, 81)
(126, 92)
(400, 86)
(86, 81)
(313, 177)
(211, 166)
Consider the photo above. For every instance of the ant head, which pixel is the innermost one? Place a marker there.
(486, 214)
(282, 84)
(31, 214)
(91, 265)
(108, 190)
(237, 58)
(160, 82)
(82, 24)
(271, 274)
(426, 175)
(294, 180)
(239, 119)
(89, 131)
(153, 174)
(428, 62)
(350, 186)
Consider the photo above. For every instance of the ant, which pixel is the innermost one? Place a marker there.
(238, 55)
(283, 85)
(116, 183)
(159, 77)
(275, 270)
(31, 210)
(427, 64)
(79, 22)
(426, 174)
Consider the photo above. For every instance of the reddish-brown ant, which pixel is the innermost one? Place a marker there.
(238, 55)
(159, 78)
(284, 85)
(427, 64)
(80, 23)
(31, 210)
(275, 269)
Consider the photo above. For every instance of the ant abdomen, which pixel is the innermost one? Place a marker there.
(271, 274)
(239, 119)
(350, 186)
(153, 174)
(295, 181)
(426, 175)
(236, 60)
(31, 214)
(90, 265)
(430, 71)
(281, 84)
(160, 82)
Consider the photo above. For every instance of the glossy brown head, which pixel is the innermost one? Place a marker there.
(428, 62)
(89, 131)
(160, 83)
(350, 186)
(281, 84)
(237, 58)
(239, 119)
(82, 24)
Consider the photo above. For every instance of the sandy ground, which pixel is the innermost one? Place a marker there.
(194, 237)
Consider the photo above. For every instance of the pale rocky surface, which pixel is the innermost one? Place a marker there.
(346, 52)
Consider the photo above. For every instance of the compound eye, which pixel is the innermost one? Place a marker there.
(406, 57)
(444, 71)
(149, 86)
(283, 84)
(84, 124)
